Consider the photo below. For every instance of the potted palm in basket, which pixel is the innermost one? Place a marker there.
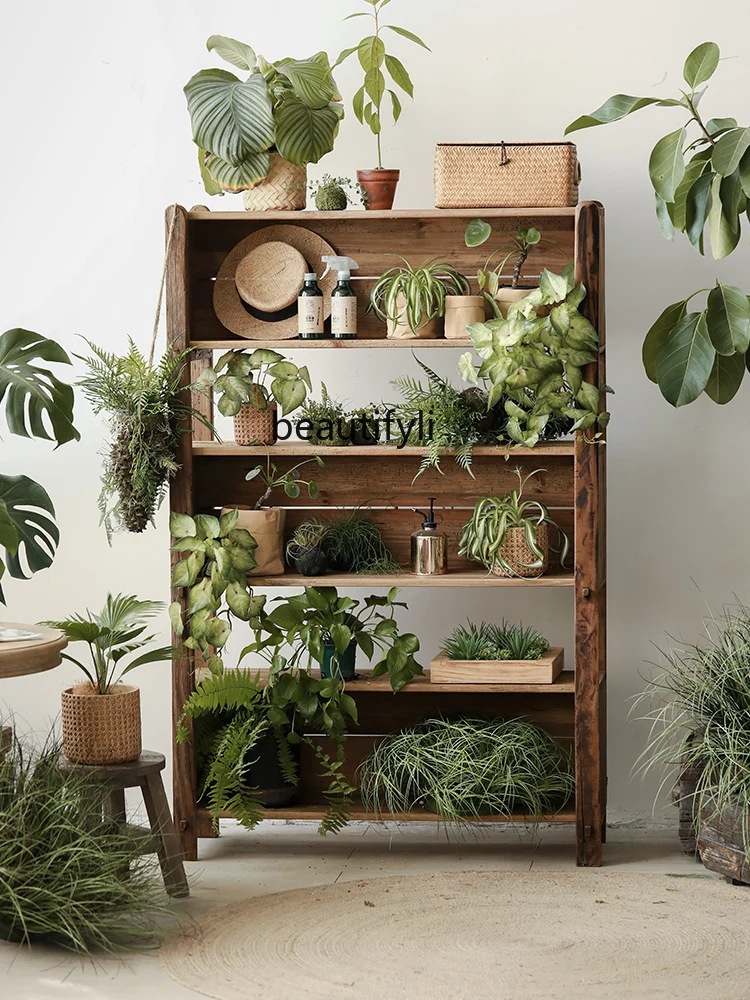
(411, 300)
(101, 718)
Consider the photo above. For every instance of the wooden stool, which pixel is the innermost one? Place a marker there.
(144, 773)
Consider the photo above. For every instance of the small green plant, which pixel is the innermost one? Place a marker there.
(354, 544)
(257, 379)
(112, 635)
(144, 403)
(300, 626)
(371, 53)
(61, 876)
(482, 538)
(416, 295)
(334, 194)
(291, 107)
(489, 641)
(467, 767)
(290, 481)
(327, 419)
(534, 364)
(214, 571)
(308, 537)
(364, 425)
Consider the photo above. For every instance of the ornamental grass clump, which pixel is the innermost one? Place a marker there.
(700, 717)
(63, 879)
(468, 767)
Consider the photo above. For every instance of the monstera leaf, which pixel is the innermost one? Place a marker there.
(31, 392)
(27, 527)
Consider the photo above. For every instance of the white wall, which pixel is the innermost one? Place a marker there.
(97, 143)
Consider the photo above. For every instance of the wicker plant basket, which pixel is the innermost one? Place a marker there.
(518, 555)
(101, 728)
(284, 188)
(254, 426)
(506, 175)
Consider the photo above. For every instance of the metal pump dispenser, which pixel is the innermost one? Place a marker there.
(429, 547)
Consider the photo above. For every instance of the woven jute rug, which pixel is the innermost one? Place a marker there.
(497, 935)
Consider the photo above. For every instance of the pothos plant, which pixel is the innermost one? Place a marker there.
(700, 173)
(534, 363)
(219, 555)
(256, 379)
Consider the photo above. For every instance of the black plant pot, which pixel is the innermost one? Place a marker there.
(263, 772)
(311, 561)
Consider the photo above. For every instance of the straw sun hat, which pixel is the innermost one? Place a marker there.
(255, 292)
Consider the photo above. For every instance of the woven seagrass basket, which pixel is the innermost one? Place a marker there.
(254, 426)
(284, 188)
(101, 728)
(506, 175)
(519, 556)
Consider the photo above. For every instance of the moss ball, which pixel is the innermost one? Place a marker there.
(331, 198)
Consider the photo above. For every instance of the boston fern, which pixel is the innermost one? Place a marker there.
(697, 178)
(146, 417)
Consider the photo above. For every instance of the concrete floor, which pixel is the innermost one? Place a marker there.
(280, 856)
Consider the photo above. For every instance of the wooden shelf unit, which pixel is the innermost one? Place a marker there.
(572, 485)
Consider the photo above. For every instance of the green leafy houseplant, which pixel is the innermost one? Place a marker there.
(214, 570)
(697, 178)
(467, 767)
(234, 710)
(300, 627)
(147, 415)
(371, 53)
(354, 544)
(327, 419)
(113, 635)
(30, 394)
(534, 363)
(489, 641)
(291, 107)
(61, 877)
(484, 536)
(415, 296)
(257, 379)
(290, 481)
(478, 232)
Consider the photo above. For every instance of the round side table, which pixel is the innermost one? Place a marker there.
(31, 656)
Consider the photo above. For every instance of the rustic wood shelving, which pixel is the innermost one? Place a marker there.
(573, 485)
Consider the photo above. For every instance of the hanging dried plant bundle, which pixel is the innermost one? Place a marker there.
(146, 416)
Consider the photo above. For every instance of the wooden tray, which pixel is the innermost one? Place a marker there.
(542, 671)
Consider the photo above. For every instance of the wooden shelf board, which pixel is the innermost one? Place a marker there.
(295, 344)
(364, 685)
(297, 448)
(462, 578)
(411, 213)
(316, 811)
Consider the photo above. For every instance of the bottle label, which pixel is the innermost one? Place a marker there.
(309, 314)
(343, 315)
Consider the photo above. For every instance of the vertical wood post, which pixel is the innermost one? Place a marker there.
(590, 568)
(184, 789)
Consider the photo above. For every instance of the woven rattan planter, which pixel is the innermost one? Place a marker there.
(253, 426)
(101, 728)
(518, 555)
(284, 188)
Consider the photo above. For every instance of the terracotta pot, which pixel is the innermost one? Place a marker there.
(284, 188)
(400, 329)
(380, 186)
(519, 556)
(460, 311)
(254, 426)
(101, 728)
(267, 528)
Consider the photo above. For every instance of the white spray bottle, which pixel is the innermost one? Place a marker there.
(343, 297)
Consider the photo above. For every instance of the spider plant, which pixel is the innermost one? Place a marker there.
(416, 294)
(113, 634)
(467, 767)
(490, 641)
(699, 716)
(482, 538)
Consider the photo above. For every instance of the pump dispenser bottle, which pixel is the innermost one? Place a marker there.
(429, 547)
(310, 309)
(343, 298)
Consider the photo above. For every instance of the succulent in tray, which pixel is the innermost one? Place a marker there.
(489, 641)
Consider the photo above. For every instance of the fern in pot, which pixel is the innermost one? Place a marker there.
(510, 535)
(410, 300)
(101, 718)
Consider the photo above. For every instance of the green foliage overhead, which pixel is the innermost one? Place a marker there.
(535, 363)
(701, 175)
(376, 62)
(468, 767)
(256, 378)
(291, 107)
